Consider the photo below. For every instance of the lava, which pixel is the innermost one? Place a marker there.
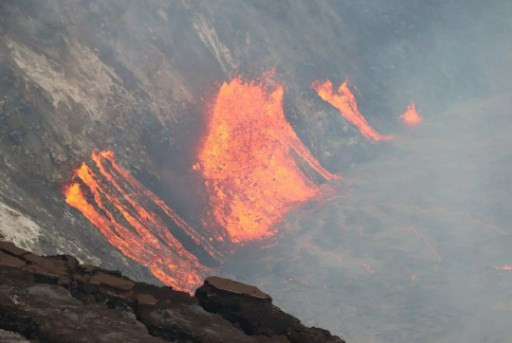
(506, 267)
(344, 100)
(249, 161)
(411, 117)
(112, 200)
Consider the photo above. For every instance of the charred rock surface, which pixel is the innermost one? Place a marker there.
(57, 299)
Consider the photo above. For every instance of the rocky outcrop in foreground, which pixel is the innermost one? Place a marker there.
(57, 299)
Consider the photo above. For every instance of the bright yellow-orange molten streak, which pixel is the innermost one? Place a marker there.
(411, 117)
(343, 99)
(251, 175)
(143, 237)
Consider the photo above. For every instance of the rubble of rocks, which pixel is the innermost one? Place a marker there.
(57, 299)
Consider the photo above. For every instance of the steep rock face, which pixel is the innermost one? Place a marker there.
(134, 77)
(59, 300)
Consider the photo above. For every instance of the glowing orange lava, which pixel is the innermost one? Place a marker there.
(115, 206)
(344, 100)
(411, 117)
(249, 161)
(507, 267)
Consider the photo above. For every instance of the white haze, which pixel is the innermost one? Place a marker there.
(407, 248)
(404, 250)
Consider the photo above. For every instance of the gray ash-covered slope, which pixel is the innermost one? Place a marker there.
(134, 76)
(56, 299)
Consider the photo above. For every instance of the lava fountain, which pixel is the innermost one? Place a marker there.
(344, 100)
(411, 117)
(132, 219)
(250, 161)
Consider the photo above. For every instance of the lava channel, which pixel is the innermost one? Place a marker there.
(249, 160)
(132, 219)
(344, 100)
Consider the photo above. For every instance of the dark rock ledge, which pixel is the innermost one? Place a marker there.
(56, 299)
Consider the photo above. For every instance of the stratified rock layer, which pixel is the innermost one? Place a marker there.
(57, 299)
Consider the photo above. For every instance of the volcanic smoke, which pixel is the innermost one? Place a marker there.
(344, 100)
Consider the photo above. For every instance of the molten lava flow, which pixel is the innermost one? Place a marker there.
(345, 102)
(411, 117)
(251, 175)
(115, 208)
(106, 155)
(506, 267)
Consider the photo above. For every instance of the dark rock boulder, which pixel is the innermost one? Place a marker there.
(252, 310)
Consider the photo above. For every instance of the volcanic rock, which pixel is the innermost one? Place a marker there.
(10, 261)
(236, 287)
(252, 310)
(12, 249)
(12, 337)
(111, 281)
(49, 313)
(56, 299)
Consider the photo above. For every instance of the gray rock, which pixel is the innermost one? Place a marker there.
(56, 299)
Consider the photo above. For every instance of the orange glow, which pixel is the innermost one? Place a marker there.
(411, 117)
(116, 210)
(249, 161)
(507, 267)
(345, 101)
